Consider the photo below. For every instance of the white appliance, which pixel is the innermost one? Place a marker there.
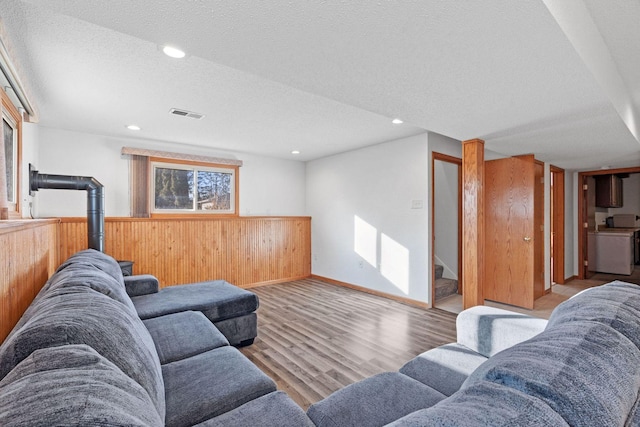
(611, 252)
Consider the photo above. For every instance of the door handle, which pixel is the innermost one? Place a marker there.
(527, 239)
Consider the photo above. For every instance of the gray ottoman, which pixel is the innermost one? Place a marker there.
(230, 308)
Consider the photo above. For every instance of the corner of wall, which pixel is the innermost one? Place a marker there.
(30, 149)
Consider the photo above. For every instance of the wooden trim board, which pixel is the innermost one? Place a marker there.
(403, 300)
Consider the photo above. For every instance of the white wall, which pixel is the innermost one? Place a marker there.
(446, 217)
(364, 230)
(268, 186)
(29, 155)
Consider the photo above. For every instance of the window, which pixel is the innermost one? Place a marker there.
(166, 183)
(190, 187)
(10, 159)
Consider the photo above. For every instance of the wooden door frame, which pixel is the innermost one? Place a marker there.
(539, 231)
(581, 217)
(557, 225)
(458, 161)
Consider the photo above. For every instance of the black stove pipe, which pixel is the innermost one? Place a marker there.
(95, 200)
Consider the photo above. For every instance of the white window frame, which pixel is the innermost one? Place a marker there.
(13, 117)
(14, 126)
(195, 167)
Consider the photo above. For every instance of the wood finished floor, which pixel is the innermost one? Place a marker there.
(542, 307)
(315, 338)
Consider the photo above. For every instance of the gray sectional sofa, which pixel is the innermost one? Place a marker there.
(81, 355)
(581, 368)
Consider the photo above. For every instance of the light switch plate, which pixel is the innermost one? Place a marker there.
(417, 204)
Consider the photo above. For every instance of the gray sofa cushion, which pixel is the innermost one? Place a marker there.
(444, 368)
(73, 385)
(386, 397)
(634, 416)
(616, 304)
(210, 384)
(96, 259)
(88, 317)
(485, 404)
(93, 278)
(181, 335)
(239, 329)
(218, 300)
(88, 268)
(271, 410)
(585, 371)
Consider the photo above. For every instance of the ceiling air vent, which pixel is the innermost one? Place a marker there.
(185, 113)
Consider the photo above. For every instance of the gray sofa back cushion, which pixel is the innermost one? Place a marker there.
(616, 304)
(73, 385)
(97, 259)
(80, 315)
(587, 372)
(94, 278)
(88, 268)
(485, 404)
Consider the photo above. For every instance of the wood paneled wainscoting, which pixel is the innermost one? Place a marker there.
(29, 257)
(245, 251)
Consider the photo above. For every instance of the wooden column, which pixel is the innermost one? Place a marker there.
(472, 222)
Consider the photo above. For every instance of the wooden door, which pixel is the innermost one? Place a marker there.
(509, 231)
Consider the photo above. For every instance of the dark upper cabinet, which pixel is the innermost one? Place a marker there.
(608, 191)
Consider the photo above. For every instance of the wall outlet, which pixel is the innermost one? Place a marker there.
(360, 264)
(417, 204)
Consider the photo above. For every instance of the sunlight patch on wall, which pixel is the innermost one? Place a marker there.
(365, 241)
(394, 263)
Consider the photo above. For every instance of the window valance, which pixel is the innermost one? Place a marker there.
(180, 156)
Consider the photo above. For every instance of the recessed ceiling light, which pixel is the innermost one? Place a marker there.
(295, 152)
(133, 127)
(173, 52)
(397, 121)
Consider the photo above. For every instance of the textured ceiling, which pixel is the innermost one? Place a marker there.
(619, 24)
(326, 77)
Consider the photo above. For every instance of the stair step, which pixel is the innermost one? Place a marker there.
(439, 271)
(446, 287)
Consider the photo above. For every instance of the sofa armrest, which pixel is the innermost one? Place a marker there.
(141, 284)
(489, 330)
